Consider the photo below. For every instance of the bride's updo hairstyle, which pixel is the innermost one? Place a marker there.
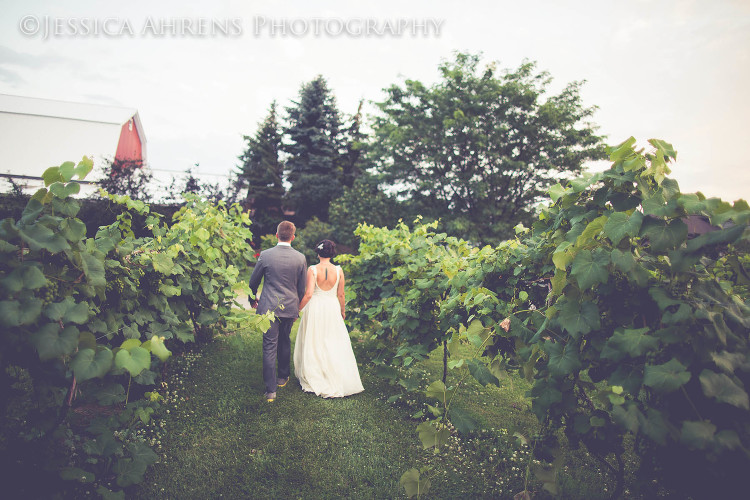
(326, 249)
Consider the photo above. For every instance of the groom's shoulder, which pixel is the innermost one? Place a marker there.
(266, 252)
(299, 254)
(277, 249)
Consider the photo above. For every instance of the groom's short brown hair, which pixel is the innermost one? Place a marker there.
(285, 231)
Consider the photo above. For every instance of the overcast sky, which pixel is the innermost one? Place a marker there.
(203, 74)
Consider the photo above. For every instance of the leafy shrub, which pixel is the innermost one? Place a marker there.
(92, 320)
(626, 324)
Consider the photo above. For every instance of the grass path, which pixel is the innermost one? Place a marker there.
(226, 441)
(221, 439)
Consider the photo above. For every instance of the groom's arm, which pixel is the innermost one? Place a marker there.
(302, 280)
(255, 279)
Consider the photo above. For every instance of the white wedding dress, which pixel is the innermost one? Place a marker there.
(323, 358)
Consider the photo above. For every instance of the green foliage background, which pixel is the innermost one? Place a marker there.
(90, 321)
(628, 328)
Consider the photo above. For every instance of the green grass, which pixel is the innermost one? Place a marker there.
(226, 441)
(221, 439)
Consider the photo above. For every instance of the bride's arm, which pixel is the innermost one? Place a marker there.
(340, 293)
(309, 289)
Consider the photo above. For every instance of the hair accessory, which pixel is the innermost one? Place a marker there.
(320, 247)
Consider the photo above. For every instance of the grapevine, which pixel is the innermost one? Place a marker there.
(638, 330)
(86, 320)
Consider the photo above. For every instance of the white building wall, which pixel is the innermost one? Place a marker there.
(30, 144)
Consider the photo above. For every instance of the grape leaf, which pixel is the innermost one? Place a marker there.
(662, 298)
(556, 191)
(129, 471)
(68, 311)
(628, 342)
(728, 361)
(129, 344)
(481, 373)
(157, 348)
(412, 484)
(430, 436)
(162, 263)
(627, 376)
(462, 420)
(592, 230)
(697, 435)
(691, 203)
(544, 395)
(623, 260)
(41, 237)
(563, 255)
(51, 341)
(590, 268)
(77, 474)
(578, 319)
(89, 364)
(104, 445)
(653, 425)
(724, 389)
(477, 333)
(666, 377)
(563, 359)
(84, 167)
(110, 394)
(664, 236)
(202, 234)
(27, 275)
(621, 225)
(64, 190)
(93, 268)
(67, 170)
(52, 175)
(10, 313)
(134, 361)
(438, 391)
(627, 418)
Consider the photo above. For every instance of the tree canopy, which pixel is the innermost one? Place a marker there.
(479, 147)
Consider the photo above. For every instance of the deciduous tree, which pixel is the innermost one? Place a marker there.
(479, 147)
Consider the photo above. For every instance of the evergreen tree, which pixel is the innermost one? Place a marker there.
(262, 171)
(352, 162)
(315, 150)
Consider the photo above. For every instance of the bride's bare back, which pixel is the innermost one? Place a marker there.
(326, 276)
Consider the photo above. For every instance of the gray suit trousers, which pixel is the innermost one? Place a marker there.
(277, 347)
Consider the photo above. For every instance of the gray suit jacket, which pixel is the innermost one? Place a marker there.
(284, 274)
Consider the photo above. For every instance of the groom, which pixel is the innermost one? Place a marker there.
(283, 271)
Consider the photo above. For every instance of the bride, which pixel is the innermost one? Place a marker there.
(323, 358)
